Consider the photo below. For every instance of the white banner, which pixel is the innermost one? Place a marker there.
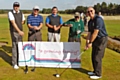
(49, 54)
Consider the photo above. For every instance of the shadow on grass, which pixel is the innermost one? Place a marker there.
(82, 70)
(7, 49)
(5, 56)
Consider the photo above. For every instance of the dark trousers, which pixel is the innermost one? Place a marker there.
(72, 39)
(15, 39)
(34, 36)
(98, 49)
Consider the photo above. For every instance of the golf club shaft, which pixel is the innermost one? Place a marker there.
(26, 67)
(35, 38)
(72, 62)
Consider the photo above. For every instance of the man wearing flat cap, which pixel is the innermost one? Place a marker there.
(76, 28)
(35, 23)
(16, 19)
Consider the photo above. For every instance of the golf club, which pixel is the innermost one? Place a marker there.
(26, 67)
(58, 75)
(33, 69)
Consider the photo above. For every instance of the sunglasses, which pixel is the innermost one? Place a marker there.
(36, 9)
(90, 11)
(16, 5)
(76, 16)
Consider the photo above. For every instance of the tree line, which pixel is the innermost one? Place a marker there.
(106, 9)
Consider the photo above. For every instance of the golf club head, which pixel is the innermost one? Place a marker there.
(56, 75)
(26, 69)
(33, 69)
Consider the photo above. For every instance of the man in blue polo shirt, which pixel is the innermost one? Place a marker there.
(35, 23)
(97, 39)
(54, 23)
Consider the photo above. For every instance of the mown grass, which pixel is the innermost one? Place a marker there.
(111, 60)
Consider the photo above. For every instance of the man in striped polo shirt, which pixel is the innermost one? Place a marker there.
(35, 23)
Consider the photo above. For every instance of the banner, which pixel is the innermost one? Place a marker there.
(49, 54)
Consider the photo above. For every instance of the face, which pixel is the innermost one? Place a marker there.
(35, 11)
(16, 7)
(91, 12)
(77, 17)
(54, 11)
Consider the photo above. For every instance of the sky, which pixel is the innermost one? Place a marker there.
(61, 4)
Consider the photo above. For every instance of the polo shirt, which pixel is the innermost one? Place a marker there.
(11, 17)
(34, 20)
(76, 25)
(97, 23)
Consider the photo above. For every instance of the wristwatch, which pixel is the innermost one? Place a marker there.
(90, 42)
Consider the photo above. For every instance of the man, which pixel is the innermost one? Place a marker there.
(76, 28)
(16, 19)
(54, 23)
(35, 23)
(99, 13)
(97, 38)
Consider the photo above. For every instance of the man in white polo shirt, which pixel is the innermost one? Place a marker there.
(16, 19)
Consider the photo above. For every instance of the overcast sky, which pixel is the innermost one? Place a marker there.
(61, 4)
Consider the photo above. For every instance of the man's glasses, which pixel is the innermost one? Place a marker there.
(90, 11)
(16, 5)
(36, 9)
(76, 16)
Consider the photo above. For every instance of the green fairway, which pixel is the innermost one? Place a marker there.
(111, 60)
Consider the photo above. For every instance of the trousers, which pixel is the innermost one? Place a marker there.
(98, 49)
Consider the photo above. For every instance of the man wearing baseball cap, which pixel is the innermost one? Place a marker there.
(35, 23)
(76, 28)
(16, 19)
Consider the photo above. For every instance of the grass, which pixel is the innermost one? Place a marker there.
(111, 60)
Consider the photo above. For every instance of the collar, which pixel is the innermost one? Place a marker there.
(15, 11)
(54, 15)
(77, 21)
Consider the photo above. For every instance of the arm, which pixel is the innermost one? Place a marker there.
(23, 19)
(47, 23)
(82, 26)
(11, 18)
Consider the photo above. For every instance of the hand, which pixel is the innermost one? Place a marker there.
(78, 31)
(21, 33)
(70, 25)
(88, 45)
(36, 28)
(55, 28)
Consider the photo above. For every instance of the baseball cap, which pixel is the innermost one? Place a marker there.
(36, 7)
(16, 4)
(77, 14)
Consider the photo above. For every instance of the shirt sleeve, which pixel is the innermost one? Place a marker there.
(99, 23)
(82, 26)
(61, 21)
(47, 20)
(23, 17)
(28, 20)
(66, 23)
(10, 16)
(41, 19)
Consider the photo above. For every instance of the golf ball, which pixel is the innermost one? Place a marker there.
(57, 75)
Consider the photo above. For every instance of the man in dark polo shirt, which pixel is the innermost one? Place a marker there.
(16, 19)
(97, 38)
(35, 23)
(76, 28)
(54, 23)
